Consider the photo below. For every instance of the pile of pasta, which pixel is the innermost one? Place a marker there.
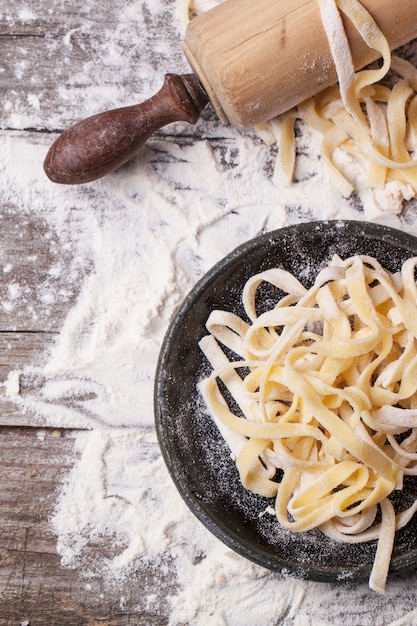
(373, 123)
(323, 388)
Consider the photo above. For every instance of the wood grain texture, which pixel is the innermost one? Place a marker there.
(51, 57)
(58, 52)
(56, 67)
(29, 321)
(33, 585)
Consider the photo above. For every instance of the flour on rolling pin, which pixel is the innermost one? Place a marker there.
(258, 59)
(355, 116)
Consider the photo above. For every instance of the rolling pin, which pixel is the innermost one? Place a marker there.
(252, 59)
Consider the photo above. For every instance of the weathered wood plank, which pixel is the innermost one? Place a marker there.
(56, 62)
(31, 464)
(32, 272)
(34, 268)
(33, 585)
(17, 350)
(60, 61)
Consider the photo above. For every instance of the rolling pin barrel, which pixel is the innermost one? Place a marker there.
(257, 59)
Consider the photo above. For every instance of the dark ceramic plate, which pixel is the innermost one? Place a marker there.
(196, 455)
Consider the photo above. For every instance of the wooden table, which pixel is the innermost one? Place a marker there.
(46, 45)
(52, 62)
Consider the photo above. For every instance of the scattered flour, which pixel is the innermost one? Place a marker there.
(137, 242)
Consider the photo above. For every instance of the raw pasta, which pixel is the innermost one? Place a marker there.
(326, 388)
(371, 122)
(374, 124)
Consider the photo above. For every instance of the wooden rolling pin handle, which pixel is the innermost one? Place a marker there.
(100, 144)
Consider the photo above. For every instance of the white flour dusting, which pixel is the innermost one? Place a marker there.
(137, 242)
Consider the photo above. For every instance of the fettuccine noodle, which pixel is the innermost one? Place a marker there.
(326, 385)
(372, 123)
